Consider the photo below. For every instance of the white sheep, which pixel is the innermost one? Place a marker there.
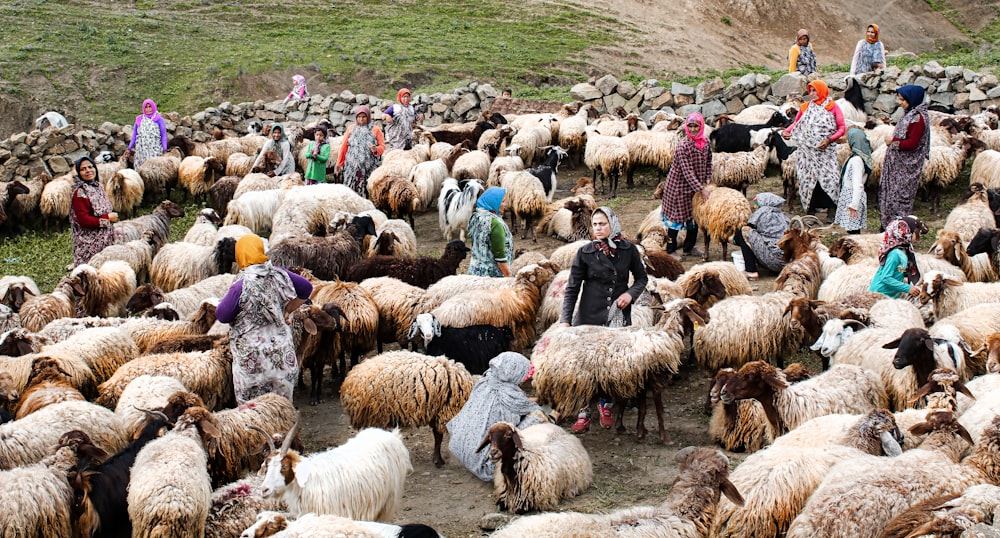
(533, 140)
(138, 254)
(125, 190)
(36, 312)
(205, 227)
(986, 168)
(950, 247)
(55, 201)
(608, 155)
(29, 439)
(527, 200)
(404, 242)
(179, 265)
(967, 218)
(15, 289)
(37, 498)
(950, 296)
(144, 392)
(471, 165)
(255, 210)
(739, 170)
(104, 291)
(361, 479)
(511, 162)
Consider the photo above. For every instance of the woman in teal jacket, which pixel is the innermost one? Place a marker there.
(897, 274)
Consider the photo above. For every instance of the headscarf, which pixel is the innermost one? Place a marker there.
(76, 165)
(699, 137)
(608, 246)
(401, 92)
(155, 116)
(363, 110)
(858, 142)
(278, 126)
(822, 92)
(913, 94)
(491, 199)
(802, 32)
(899, 235)
(873, 26)
(250, 251)
(299, 79)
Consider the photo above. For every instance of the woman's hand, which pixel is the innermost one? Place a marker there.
(853, 213)
(914, 291)
(704, 194)
(564, 324)
(786, 135)
(338, 169)
(387, 118)
(824, 144)
(113, 217)
(624, 300)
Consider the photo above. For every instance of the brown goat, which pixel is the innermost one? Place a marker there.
(801, 275)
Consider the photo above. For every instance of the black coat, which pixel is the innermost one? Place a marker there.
(603, 280)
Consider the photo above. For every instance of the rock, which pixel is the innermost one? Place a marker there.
(764, 94)
(346, 95)
(789, 84)
(613, 101)
(22, 151)
(607, 84)
(891, 72)
(836, 83)
(885, 103)
(492, 522)
(734, 105)
(961, 101)
(713, 108)
(969, 75)
(994, 93)
(924, 82)
(646, 116)
(449, 99)
(987, 81)
(678, 88)
(906, 77)
(944, 98)
(898, 113)
(748, 81)
(626, 89)
(361, 99)
(975, 94)
(933, 69)
(296, 116)
(109, 128)
(655, 91)
(58, 165)
(944, 85)
(184, 131)
(710, 89)
(18, 138)
(439, 108)
(634, 104)
(466, 103)
(342, 107)
(953, 72)
(763, 80)
(36, 167)
(662, 100)
(735, 90)
(651, 83)
(687, 109)
(751, 100)
(958, 85)
(585, 92)
(486, 91)
(683, 100)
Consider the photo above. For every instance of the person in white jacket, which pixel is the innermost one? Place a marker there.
(869, 54)
(852, 208)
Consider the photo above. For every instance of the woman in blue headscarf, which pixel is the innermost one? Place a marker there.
(492, 246)
(907, 150)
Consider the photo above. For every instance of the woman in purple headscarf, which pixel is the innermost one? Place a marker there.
(149, 135)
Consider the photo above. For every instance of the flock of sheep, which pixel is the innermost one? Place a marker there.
(122, 422)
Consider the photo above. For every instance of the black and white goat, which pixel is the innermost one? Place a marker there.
(547, 171)
(473, 346)
(736, 137)
(852, 104)
(456, 204)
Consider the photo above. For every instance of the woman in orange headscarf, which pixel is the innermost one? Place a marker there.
(399, 121)
(869, 55)
(260, 340)
(818, 124)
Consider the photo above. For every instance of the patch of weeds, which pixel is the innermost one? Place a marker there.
(726, 20)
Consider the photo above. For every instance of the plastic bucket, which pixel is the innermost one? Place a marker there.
(738, 260)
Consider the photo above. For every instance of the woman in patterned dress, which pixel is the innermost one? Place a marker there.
(492, 246)
(149, 135)
(869, 54)
(259, 338)
(852, 208)
(91, 216)
(907, 150)
(818, 124)
(399, 121)
(758, 240)
(359, 152)
(801, 57)
(690, 172)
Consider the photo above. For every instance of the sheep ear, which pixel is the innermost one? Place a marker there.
(922, 428)
(486, 441)
(24, 348)
(437, 327)
(310, 326)
(517, 439)
(892, 345)
(414, 327)
(729, 490)
(923, 391)
(929, 343)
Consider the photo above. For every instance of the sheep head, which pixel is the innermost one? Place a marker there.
(949, 247)
(144, 297)
(280, 468)
(224, 255)
(757, 380)
(835, 333)
(802, 313)
(16, 295)
(944, 380)
(985, 240)
(183, 143)
(715, 384)
(268, 524)
(710, 467)
(170, 209)
(943, 421)
(201, 419)
(505, 443)
(455, 249)
(933, 283)
(82, 510)
(82, 278)
(706, 288)
(796, 372)
(163, 311)
(877, 433)
(427, 325)
(204, 317)
(16, 343)
(210, 215)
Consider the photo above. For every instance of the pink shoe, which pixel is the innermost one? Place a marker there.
(582, 425)
(606, 419)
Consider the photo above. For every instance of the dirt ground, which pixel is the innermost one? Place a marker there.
(627, 472)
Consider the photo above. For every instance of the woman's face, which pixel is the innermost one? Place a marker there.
(803, 40)
(361, 119)
(148, 109)
(601, 227)
(276, 134)
(405, 99)
(812, 93)
(87, 171)
(870, 34)
(902, 101)
(319, 136)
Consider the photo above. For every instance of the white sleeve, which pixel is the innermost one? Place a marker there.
(854, 59)
(855, 173)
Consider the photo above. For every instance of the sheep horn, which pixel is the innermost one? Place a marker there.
(270, 442)
(154, 413)
(287, 443)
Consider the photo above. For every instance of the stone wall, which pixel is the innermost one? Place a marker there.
(26, 155)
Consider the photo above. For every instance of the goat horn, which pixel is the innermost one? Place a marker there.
(287, 443)
(855, 322)
(270, 442)
(153, 413)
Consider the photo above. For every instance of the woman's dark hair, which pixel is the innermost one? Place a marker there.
(79, 162)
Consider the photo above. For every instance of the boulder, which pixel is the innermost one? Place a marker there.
(635, 103)
(891, 72)
(688, 109)
(789, 84)
(924, 82)
(361, 99)
(296, 116)
(449, 99)
(662, 100)
(713, 108)
(486, 91)
(975, 94)
(58, 165)
(346, 95)
(987, 81)
(626, 89)
(733, 91)
(466, 103)
(763, 80)
(885, 103)
(613, 101)
(682, 100)
(944, 98)
(933, 69)
(969, 75)
(678, 88)
(994, 93)
(953, 72)
(709, 89)
(734, 105)
(961, 101)
(653, 92)
(748, 81)
(585, 92)
(751, 100)
(607, 84)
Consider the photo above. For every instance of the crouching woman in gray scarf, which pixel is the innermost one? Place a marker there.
(495, 398)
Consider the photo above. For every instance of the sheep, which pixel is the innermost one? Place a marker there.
(14, 290)
(457, 133)
(221, 193)
(527, 200)
(950, 247)
(395, 194)
(406, 389)
(473, 346)
(755, 114)
(420, 272)
(235, 508)
(974, 325)
(256, 182)
(91, 356)
(38, 497)
(739, 170)
(494, 141)
(471, 165)
(511, 162)
(169, 490)
(55, 201)
(950, 296)
(104, 291)
(942, 168)
(159, 174)
(429, 176)
(359, 333)
(567, 219)
(455, 205)
(38, 311)
(220, 149)
(20, 207)
(573, 135)
(699, 282)
(255, 210)
(184, 300)
(202, 231)
(206, 373)
(46, 385)
(947, 515)
(162, 321)
(720, 216)
(972, 215)
(686, 512)
(563, 256)
(277, 524)
(327, 257)
(607, 155)
(144, 392)
(158, 221)
(27, 440)
(841, 389)
(239, 163)
(9, 321)
(125, 190)
(536, 467)
(852, 104)
(986, 168)
(513, 307)
(179, 265)
(361, 479)
(137, 254)
(197, 174)
(533, 141)
(573, 365)
(736, 137)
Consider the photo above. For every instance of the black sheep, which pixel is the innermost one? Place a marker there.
(735, 137)
(420, 272)
(221, 193)
(473, 346)
(546, 173)
(327, 257)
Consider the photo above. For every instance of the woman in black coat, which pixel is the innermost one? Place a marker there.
(602, 269)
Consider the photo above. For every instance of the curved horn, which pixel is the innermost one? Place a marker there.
(270, 442)
(154, 413)
(287, 443)
(855, 322)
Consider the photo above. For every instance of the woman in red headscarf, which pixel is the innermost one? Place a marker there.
(817, 126)
(360, 150)
(399, 121)
(690, 172)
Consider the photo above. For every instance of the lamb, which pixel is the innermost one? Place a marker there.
(686, 512)
(361, 479)
(205, 373)
(169, 489)
(28, 440)
(184, 300)
(788, 406)
(571, 367)
(420, 272)
(986, 168)
(179, 265)
(720, 216)
(950, 247)
(950, 296)
(104, 291)
(527, 200)
(607, 155)
(513, 307)
(406, 389)
(536, 467)
(473, 346)
(158, 221)
(359, 331)
(159, 174)
(455, 205)
(202, 231)
(327, 257)
(38, 311)
(14, 290)
(568, 219)
(739, 170)
(399, 240)
(972, 215)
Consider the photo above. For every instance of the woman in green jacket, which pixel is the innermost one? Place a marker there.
(317, 153)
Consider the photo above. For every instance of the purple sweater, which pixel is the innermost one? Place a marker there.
(157, 119)
(229, 306)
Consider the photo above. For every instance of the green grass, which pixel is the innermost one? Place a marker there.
(108, 56)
